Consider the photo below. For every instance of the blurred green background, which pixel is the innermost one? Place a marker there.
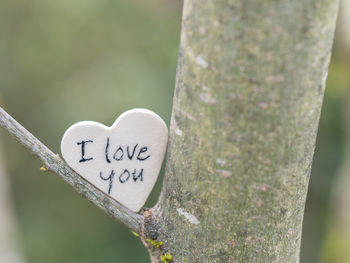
(66, 61)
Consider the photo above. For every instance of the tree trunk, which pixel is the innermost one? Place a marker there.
(250, 83)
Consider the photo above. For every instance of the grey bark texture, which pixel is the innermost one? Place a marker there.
(250, 83)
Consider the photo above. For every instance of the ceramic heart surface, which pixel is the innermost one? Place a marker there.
(123, 160)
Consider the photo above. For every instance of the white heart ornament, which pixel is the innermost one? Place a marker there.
(123, 160)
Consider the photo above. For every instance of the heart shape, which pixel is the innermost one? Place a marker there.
(123, 160)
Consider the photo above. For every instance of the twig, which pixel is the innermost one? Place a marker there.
(55, 164)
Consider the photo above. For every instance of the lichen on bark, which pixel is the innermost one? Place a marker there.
(250, 83)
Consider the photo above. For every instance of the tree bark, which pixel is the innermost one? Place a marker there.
(250, 83)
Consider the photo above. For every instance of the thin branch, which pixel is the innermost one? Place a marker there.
(56, 165)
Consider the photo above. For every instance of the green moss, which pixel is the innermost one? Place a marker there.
(135, 234)
(166, 258)
(43, 168)
(155, 243)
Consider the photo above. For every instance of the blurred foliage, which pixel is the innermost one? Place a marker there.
(336, 246)
(328, 155)
(67, 61)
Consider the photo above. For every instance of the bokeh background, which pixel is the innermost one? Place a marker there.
(66, 61)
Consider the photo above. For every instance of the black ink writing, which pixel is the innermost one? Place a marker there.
(125, 173)
(83, 159)
(130, 151)
(143, 150)
(137, 176)
(106, 151)
(115, 156)
(134, 177)
(110, 178)
(133, 152)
